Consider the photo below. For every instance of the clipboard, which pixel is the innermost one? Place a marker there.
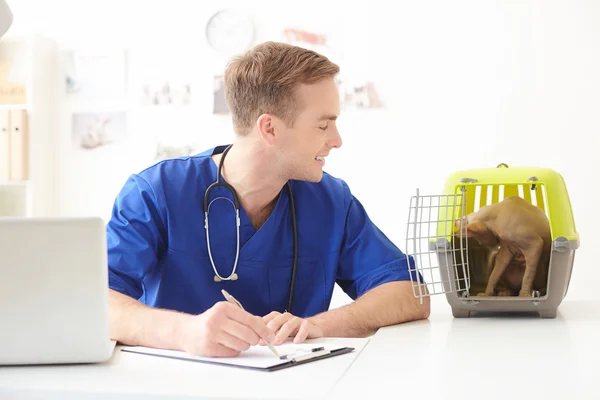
(256, 358)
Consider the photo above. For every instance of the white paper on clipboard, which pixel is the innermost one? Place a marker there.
(257, 357)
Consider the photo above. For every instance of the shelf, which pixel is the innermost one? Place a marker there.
(14, 183)
(8, 107)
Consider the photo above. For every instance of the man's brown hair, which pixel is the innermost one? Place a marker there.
(264, 79)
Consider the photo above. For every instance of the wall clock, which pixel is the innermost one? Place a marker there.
(230, 32)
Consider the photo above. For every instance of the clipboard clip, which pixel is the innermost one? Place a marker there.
(302, 355)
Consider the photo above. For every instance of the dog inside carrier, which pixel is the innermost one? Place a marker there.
(496, 240)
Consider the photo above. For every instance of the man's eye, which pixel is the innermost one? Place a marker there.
(323, 128)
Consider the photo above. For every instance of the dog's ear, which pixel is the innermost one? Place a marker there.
(479, 231)
(475, 228)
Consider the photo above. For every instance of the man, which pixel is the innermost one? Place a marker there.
(166, 275)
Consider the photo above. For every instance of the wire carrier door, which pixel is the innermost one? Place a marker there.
(437, 251)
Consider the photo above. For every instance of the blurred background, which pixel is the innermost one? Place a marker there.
(427, 87)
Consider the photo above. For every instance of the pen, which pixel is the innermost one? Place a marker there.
(233, 301)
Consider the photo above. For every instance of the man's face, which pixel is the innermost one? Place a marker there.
(302, 148)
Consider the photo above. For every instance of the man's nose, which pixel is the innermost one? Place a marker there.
(336, 140)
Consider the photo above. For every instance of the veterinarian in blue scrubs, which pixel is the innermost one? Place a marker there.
(158, 250)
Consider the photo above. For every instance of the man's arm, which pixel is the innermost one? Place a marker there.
(136, 239)
(224, 330)
(371, 270)
(135, 324)
(377, 275)
(388, 304)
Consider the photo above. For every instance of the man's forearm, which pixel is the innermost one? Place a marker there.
(135, 324)
(388, 304)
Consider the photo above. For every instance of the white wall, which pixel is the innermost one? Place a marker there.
(466, 84)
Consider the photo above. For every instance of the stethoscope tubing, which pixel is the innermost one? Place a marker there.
(236, 205)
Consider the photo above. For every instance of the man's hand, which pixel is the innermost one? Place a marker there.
(287, 325)
(224, 330)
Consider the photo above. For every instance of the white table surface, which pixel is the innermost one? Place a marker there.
(135, 376)
(516, 357)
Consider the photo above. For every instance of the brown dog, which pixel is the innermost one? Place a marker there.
(519, 238)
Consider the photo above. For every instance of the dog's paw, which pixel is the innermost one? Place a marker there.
(525, 293)
(504, 293)
(481, 294)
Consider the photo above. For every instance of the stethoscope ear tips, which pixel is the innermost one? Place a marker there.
(234, 277)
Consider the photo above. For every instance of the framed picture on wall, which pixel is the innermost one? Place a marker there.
(95, 74)
(162, 77)
(91, 130)
(166, 92)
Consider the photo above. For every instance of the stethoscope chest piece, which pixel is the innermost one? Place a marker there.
(233, 277)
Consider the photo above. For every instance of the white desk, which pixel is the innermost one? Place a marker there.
(485, 358)
(134, 376)
(441, 358)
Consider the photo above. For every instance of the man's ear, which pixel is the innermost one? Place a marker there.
(265, 125)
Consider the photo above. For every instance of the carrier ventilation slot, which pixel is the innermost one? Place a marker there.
(485, 195)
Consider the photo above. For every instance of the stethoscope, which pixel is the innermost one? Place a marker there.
(236, 205)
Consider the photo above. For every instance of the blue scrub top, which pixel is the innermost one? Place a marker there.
(157, 249)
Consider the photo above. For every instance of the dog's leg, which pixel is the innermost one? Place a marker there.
(502, 260)
(532, 257)
(502, 289)
(491, 261)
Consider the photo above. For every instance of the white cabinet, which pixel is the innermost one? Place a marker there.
(29, 96)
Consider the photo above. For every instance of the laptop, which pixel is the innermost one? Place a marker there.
(53, 291)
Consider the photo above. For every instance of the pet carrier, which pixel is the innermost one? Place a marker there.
(452, 264)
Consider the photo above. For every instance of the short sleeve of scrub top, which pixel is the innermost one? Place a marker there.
(135, 237)
(367, 257)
